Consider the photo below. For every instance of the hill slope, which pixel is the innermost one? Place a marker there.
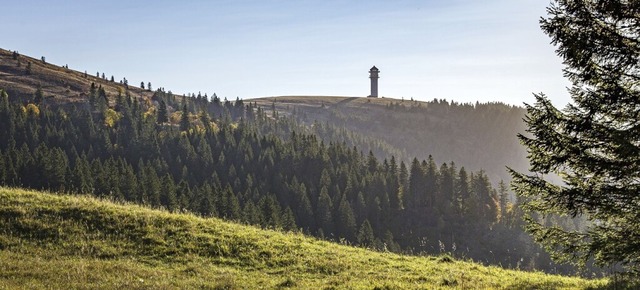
(476, 136)
(57, 241)
(58, 83)
(481, 136)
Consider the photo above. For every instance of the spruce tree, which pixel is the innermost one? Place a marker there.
(303, 209)
(163, 115)
(184, 119)
(250, 214)
(593, 144)
(288, 220)
(168, 197)
(413, 197)
(323, 212)
(345, 221)
(365, 234)
(38, 96)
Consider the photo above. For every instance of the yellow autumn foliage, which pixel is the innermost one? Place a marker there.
(31, 109)
(111, 117)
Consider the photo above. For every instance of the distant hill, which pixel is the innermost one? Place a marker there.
(21, 75)
(477, 136)
(290, 162)
(71, 242)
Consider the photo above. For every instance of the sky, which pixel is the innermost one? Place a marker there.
(458, 50)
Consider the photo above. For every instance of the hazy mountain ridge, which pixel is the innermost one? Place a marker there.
(240, 162)
(477, 136)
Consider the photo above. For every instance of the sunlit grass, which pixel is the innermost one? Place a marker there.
(68, 242)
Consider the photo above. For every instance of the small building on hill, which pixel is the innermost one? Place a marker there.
(373, 75)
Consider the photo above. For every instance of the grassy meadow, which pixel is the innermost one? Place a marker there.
(76, 242)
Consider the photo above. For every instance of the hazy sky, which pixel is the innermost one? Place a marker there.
(461, 50)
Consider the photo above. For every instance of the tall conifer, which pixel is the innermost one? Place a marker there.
(593, 144)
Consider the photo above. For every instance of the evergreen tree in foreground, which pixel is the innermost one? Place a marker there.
(594, 142)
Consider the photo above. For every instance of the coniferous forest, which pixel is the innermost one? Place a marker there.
(233, 160)
(139, 179)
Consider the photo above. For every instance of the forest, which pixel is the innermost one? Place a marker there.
(480, 136)
(233, 160)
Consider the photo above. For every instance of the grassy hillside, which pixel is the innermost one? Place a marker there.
(58, 84)
(53, 241)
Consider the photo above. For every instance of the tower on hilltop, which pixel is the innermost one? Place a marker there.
(373, 75)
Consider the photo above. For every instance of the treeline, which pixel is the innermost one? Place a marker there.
(446, 130)
(226, 159)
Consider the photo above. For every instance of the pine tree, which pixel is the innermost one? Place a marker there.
(204, 201)
(394, 188)
(163, 115)
(323, 212)
(57, 172)
(270, 212)
(81, 177)
(414, 197)
(205, 119)
(303, 209)
(153, 186)
(503, 198)
(403, 180)
(365, 234)
(168, 197)
(345, 221)
(288, 220)
(38, 96)
(462, 193)
(593, 142)
(250, 214)
(232, 206)
(100, 184)
(431, 182)
(129, 183)
(184, 118)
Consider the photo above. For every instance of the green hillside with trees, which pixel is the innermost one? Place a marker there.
(482, 136)
(76, 242)
(395, 176)
(245, 165)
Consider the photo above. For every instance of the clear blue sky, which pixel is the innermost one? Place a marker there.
(461, 50)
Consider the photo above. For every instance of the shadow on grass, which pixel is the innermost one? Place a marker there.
(617, 285)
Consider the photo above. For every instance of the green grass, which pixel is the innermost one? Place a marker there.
(77, 242)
